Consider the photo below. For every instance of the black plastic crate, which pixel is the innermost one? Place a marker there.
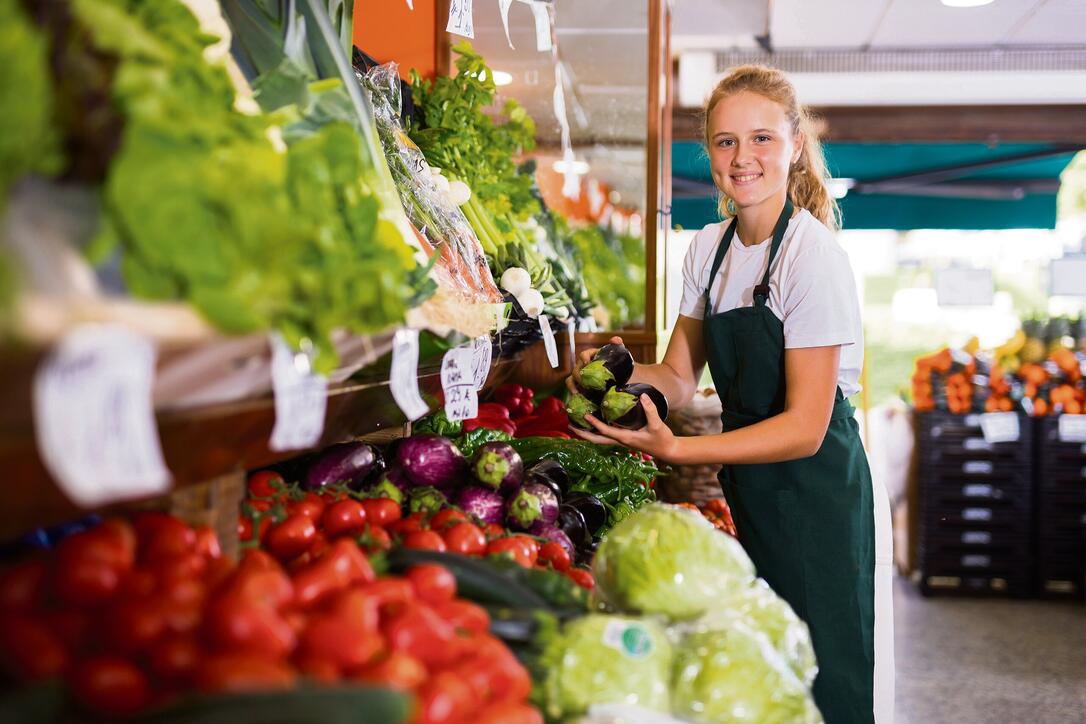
(947, 494)
(980, 515)
(1069, 551)
(1008, 559)
(953, 430)
(1060, 579)
(1052, 454)
(1056, 479)
(937, 538)
(957, 582)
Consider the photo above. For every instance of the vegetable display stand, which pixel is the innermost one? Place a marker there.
(1061, 513)
(976, 504)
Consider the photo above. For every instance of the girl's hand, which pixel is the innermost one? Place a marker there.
(655, 438)
(582, 359)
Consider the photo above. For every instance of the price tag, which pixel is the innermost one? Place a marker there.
(480, 360)
(548, 340)
(542, 27)
(458, 383)
(94, 419)
(300, 398)
(571, 330)
(1000, 427)
(1072, 428)
(404, 379)
(460, 18)
(503, 7)
(410, 4)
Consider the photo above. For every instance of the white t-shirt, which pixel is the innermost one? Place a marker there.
(811, 288)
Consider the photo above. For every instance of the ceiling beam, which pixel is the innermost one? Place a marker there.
(1064, 124)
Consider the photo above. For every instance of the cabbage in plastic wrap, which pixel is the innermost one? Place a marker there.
(600, 659)
(670, 561)
(737, 676)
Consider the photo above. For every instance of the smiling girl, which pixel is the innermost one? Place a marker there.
(770, 303)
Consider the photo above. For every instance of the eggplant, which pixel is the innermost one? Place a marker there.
(426, 500)
(391, 484)
(533, 503)
(541, 479)
(431, 461)
(577, 406)
(622, 406)
(498, 466)
(591, 508)
(611, 366)
(551, 470)
(552, 533)
(483, 503)
(571, 522)
(352, 463)
(587, 552)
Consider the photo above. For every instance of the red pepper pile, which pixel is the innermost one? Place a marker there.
(513, 410)
(134, 615)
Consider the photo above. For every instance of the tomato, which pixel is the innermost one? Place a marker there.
(268, 587)
(256, 559)
(21, 585)
(511, 547)
(110, 685)
(447, 517)
(184, 567)
(375, 539)
(397, 671)
(131, 626)
(339, 639)
(311, 506)
(245, 528)
(582, 578)
(529, 546)
(444, 698)
(424, 540)
(265, 484)
(28, 650)
(390, 592)
(112, 541)
(243, 672)
(234, 623)
(509, 680)
(292, 537)
(71, 626)
(494, 531)
(418, 631)
(163, 536)
(207, 543)
(82, 580)
(321, 671)
(464, 615)
(465, 539)
(406, 526)
(344, 517)
(432, 583)
(508, 713)
(174, 657)
(382, 511)
(344, 564)
(554, 555)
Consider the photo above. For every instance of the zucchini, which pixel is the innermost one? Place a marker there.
(476, 580)
(325, 705)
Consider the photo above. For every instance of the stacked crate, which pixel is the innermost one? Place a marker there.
(1061, 512)
(976, 507)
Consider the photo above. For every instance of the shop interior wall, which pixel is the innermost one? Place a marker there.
(388, 30)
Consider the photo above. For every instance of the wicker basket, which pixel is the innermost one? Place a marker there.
(213, 503)
(696, 484)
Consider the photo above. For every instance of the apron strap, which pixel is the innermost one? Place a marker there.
(721, 252)
(761, 292)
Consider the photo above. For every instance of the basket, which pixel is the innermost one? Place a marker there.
(213, 503)
(696, 484)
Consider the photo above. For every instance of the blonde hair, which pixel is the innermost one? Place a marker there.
(807, 177)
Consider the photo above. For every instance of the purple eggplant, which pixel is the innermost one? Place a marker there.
(533, 503)
(431, 461)
(535, 477)
(551, 470)
(497, 465)
(611, 366)
(352, 463)
(591, 509)
(577, 406)
(622, 406)
(426, 500)
(483, 503)
(392, 484)
(551, 533)
(572, 523)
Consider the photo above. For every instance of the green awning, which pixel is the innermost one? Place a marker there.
(911, 185)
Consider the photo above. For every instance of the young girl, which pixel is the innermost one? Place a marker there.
(769, 301)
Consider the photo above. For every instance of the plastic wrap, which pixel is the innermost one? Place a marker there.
(438, 221)
(669, 561)
(600, 659)
(737, 676)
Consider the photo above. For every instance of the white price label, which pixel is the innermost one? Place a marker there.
(458, 384)
(404, 378)
(94, 419)
(460, 18)
(1072, 428)
(410, 4)
(542, 27)
(549, 342)
(1000, 427)
(481, 352)
(503, 7)
(571, 330)
(301, 397)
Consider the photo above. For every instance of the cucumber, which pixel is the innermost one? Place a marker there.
(476, 580)
(324, 705)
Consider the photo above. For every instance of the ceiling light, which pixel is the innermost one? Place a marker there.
(502, 78)
(966, 3)
(577, 167)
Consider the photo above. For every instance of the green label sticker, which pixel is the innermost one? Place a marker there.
(628, 638)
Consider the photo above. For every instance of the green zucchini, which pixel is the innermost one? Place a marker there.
(325, 705)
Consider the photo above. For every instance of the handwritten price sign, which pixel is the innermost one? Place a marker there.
(458, 384)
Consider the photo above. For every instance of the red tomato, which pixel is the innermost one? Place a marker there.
(28, 650)
(406, 526)
(390, 592)
(340, 640)
(510, 547)
(382, 511)
(321, 671)
(447, 517)
(312, 506)
(163, 536)
(82, 580)
(292, 537)
(424, 540)
(397, 671)
(243, 672)
(530, 547)
(267, 587)
(131, 626)
(511, 713)
(582, 578)
(494, 531)
(245, 528)
(464, 615)
(70, 625)
(256, 559)
(265, 484)
(174, 657)
(375, 539)
(344, 564)
(465, 539)
(110, 685)
(236, 624)
(444, 698)
(21, 585)
(207, 543)
(343, 517)
(554, 555)
(418, 631)
(432, 583)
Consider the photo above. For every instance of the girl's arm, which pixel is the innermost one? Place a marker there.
(797, 432)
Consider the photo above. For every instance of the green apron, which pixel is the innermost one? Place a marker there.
(807, 524)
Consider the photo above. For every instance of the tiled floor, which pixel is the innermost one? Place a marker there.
(988, 661)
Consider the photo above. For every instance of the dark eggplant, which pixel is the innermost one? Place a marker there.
(431, 460)
(611, 366)
(553, 533)
(498, 466)
(592, 508)
(587, 552)
(483, 503)
(622, 406)
(552, 470)
(540, 479)
(571, 522)
(533, 503)
(352, 463)
(577, 406)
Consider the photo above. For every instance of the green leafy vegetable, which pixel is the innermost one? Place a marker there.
(438, 424)
(471, 441)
